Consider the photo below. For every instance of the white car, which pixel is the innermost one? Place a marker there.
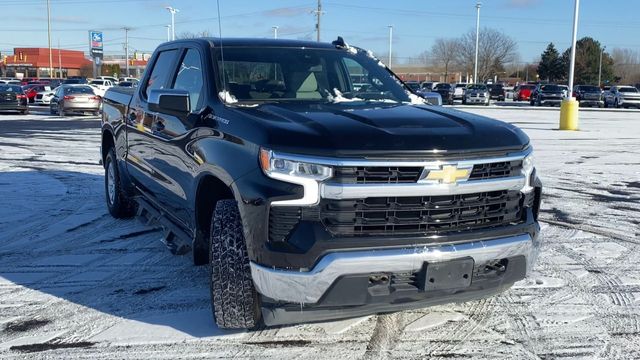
(458, 91)
(110, 78)
(128, 79)
(44, 97)
(101, 86)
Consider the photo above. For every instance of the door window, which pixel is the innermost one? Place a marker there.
(190, 78)
(161, 70)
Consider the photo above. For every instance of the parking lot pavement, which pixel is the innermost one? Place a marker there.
(76, 283)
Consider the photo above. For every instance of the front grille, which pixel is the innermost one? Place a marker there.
(496, 170)
(426, 215)
(377, 175)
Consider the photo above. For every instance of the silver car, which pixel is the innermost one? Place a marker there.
(476, 94)
(75, 98)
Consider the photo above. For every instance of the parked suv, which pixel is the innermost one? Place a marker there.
(476, 94)
(311, 200)
(588, 95)
(547, 94)
(622, 96)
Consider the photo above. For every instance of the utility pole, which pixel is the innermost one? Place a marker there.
(390, 44)
(318, 15)
(600, 67)
(475, 66)
(49, 37)
(275, 32)
(173, 12)
(126, 48)
(59, 59)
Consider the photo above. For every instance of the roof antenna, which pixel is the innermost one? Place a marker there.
(224, 74)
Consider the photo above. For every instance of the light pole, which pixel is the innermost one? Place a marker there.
(275, 32)
(126, 48)
(569, 106)
(49, 37)
(173, 12)
(600, 67)
(475, 64)
(390, 43)
(168, 32)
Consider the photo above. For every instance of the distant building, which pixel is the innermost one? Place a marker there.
(34, 62)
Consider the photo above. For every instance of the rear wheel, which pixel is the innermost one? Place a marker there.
(234, 300)
(120, 205)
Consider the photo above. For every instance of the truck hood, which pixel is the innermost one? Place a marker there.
(385, 129)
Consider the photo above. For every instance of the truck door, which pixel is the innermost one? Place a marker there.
(142, 161)
(171, 137)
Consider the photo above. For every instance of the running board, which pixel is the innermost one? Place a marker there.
(174, 238)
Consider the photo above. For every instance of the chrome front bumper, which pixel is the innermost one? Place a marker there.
(308, 287)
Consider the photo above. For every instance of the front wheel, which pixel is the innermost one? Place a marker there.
(234, 300)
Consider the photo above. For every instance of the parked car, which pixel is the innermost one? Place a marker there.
(12, 97)
(413, 85)
(458, 91)
(496, 92)
(546, 94)
(622, 96)
(446, 92)
(431, 97)
(307, 204)
(74, 98)
(11, 82)
(588, 95)
(129, 79)
(476, 94)
(428, 85)
(33, 89)
(101, 86)
(523, 92)
(44, 97)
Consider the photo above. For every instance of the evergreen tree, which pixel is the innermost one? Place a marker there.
(551, 67)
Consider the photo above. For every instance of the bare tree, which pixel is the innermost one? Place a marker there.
(444, 52)
(626, 65)
(495, 49)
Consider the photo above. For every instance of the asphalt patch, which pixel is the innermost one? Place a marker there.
(22, 326)
(31, 348)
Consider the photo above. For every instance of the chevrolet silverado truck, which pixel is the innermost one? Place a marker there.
(310, 199)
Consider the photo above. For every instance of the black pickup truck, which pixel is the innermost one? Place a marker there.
(308, 199)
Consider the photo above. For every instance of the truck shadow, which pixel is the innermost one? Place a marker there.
(66, 257)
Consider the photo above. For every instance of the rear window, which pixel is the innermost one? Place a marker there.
(15, 89)
(527, 87)
(551, 88)
(443, 87)
(78, 90)
(97, 82)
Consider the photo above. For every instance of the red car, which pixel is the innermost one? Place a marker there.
(32, 90)
(523, 92)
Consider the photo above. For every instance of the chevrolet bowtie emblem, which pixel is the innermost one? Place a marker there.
(449, 174)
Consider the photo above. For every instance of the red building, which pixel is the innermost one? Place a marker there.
(34, 62)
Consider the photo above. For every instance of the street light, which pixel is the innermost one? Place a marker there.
(475, 65)
(49, 38)
(600, 67)
(275, 32)
(168, 32)
(390, 43)
(173, 12)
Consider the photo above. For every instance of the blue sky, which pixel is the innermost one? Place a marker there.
(532, 23)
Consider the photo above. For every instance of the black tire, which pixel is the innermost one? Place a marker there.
(24, 112)
(234, 300)
(606, 104)
(616, 104)
(120, 205)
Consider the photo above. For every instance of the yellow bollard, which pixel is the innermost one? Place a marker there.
(569, 114)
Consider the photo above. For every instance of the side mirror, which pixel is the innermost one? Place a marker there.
(170, 101)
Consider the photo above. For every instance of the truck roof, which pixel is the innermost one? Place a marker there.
(232, 42)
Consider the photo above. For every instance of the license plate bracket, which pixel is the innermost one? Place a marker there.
(447, 275)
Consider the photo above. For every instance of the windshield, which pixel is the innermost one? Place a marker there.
(97, 82)
(443, 87)
(628, 89)
(268, 74)
(477, 87)
(589, 88)
(551, 88)
(15, 89)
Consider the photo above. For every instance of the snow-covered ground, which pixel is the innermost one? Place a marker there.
(76, 283)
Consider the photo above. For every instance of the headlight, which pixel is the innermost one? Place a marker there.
(527, 170)
(289, 170)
